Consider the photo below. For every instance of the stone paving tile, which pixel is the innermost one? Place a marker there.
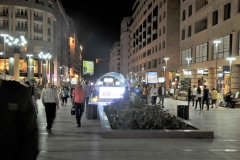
(70, 142)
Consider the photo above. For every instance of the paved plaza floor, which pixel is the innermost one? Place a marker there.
(68, 142)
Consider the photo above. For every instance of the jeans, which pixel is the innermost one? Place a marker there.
(144, 98)
(205, 100)
(189, 99)
(50, 109)
(193, 96)
(154, 99)
(161, 98)
(79, 109)
(87, 100)
(64, 99)
(200, 102)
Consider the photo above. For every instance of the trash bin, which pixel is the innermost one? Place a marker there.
(91, 111)
(183, 111)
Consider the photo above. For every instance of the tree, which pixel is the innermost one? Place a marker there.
(184, 85)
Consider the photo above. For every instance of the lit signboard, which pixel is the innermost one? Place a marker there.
(73, 81)
(152, 77)
(88, 68)
(111, 92)
(161, 79)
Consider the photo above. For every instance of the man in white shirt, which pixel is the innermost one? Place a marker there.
(194, 93)
(50, 101)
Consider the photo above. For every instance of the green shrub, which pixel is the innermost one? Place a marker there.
(134, 114)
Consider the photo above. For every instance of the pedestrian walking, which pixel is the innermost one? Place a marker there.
(50, 101)
(144, 94)
(198, 98)
(78, 102)
(18, 125)
(153, 93)
(88, 92)
(64, 95)
(161, 94)
(214, 96)
(205, 97)
(189, 95)
(194, 93)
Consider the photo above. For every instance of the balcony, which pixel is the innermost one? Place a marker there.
(143, 40)
(148, 36)
(4, 14)
(3, 27)
(38, 18)
(21, 16)
(21, 28)
(154, 18)
(154, 31)
(38, 30)
(144, 29)
(149, 24)
(140, 33)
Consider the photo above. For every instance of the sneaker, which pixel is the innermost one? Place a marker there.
(162, 106)
(49, 131)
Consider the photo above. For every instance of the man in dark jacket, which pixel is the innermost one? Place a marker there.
(205, 97)
(18, 126)
(161, 94)
(229, 99)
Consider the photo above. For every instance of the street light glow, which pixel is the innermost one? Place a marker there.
(216, 41)
(231, 58)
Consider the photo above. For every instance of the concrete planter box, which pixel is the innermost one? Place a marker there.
(108, 133)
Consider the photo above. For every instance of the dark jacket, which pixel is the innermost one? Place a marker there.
(18, 126)
(205, 93)
(160, 91)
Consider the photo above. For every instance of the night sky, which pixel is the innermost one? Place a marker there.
(97, 24)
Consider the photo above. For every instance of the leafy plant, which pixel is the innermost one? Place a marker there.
(184, 85)
(133, 114)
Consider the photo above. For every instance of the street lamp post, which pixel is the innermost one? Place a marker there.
(60, 74)
(216, 42)
(30, 72)
(166, 59)
(188, 59)
(4, 53)
(29, 65)
(44, 57)
(164, 68)
(230, 59)
(17, 43)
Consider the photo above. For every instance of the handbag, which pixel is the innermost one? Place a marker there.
(67, 96)
(196, 98)
(73, 111)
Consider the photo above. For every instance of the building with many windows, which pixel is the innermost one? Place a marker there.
(154, 39)
(46, 27)
(209, 37)
(115, 58)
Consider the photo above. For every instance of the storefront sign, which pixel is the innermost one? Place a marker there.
(111, 92)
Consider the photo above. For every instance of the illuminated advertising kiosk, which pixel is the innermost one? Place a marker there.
(110, 86)
(152, 78)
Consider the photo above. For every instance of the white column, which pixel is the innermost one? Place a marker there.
(211, 78)
(32, 23)
(235, 44)
(210, 50)
(29, 23)
(235, 78)
(51, 25)
(194, 78)
(13, 21)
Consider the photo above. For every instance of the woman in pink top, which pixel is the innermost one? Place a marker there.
(78, 102)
